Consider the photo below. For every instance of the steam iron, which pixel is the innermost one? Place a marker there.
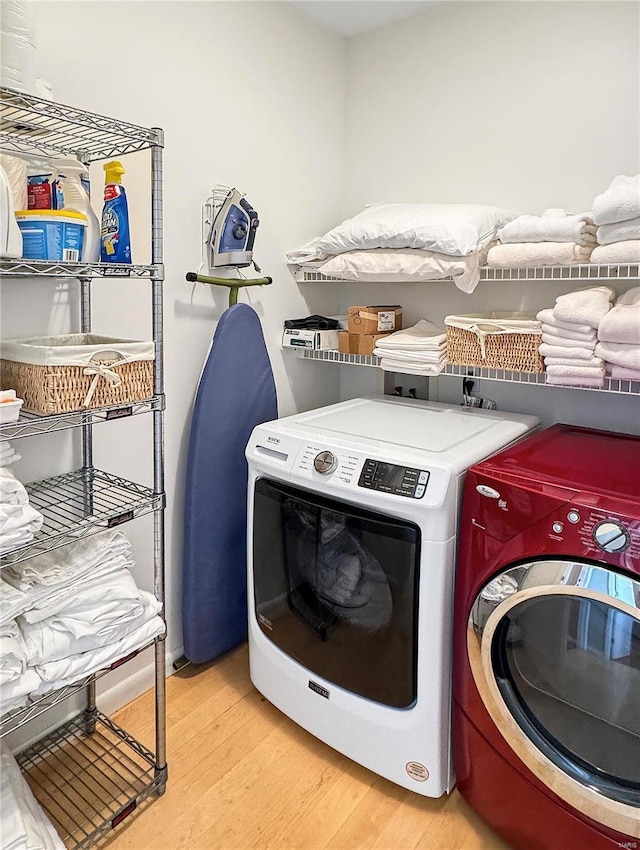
(233, 229)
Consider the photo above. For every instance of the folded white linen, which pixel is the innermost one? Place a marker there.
(423, 336)
(570, 381)
(18, 524)
(622, 323)
(627, 356)
(623, 374)
(62, 636)
(66, 671)
(388, 364)
(617, 252)
(576, 371)
(13, 653)
(24, 825)
(18, 688)
(547, 318)
(12, 491)
(553, 225)
(566, 342)
(12, 602)
(529, 254)
(564, 333)
(8, 454)
(547, 350)
(585, 306)
(621, 231)
(309, 253)
(571, 361)
(620, 202)
(415, 357)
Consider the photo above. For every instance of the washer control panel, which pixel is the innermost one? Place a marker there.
(389, 478)
(325, 462)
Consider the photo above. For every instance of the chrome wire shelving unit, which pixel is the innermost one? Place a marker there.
(89, 774)
(610, 385)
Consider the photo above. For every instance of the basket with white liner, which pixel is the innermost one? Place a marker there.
(60, 374)
(495, 340)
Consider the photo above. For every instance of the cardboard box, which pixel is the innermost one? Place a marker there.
(344, 341)
(377, 318)
(317, 340)
(357, 343)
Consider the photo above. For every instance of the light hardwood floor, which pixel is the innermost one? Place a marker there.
(242, 775)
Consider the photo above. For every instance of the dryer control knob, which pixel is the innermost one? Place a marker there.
(325, 462)
(611, 537)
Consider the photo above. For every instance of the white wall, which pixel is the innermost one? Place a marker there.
(526, 105)
(233, 87)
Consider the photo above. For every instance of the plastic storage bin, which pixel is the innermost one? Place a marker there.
(55, 235)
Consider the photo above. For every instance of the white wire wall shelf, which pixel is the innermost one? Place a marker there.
(32, 424)
(89, 775)
(34, 125)
(611, 385)
(592, 272)
(48, 268)
(17, 718)
(78, 504)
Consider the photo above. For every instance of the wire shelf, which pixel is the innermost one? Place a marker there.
(78, 504)
(30, 124)
(611, 385)
(17, 718)
(89, 775)
(32, 424)
(48, 268)
(593, 272)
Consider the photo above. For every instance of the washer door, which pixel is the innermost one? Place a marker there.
(554, 648)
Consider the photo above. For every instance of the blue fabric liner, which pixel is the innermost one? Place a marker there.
(236, 393)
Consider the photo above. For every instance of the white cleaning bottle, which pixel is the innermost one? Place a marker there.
(68, 173)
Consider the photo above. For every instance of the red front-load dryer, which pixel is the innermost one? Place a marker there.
(547, 641)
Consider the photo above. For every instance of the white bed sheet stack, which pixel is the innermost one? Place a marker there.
(619, 337)
(569, 337)
(556, 238)
(81, 610)
(23, 823)
(617, 214)
(18, 520)
(418, 350)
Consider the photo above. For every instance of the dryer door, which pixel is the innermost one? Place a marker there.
(554, 648)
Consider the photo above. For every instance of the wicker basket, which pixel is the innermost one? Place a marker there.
(507, 341)
(77, 372)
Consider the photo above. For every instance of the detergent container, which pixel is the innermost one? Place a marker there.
(69, 176)
(56, 235)
(115, 241)
(10, 239)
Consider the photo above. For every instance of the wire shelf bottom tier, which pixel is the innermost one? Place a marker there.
(89, 783)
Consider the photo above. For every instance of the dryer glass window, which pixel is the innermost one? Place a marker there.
(568, 668)
(336, 588)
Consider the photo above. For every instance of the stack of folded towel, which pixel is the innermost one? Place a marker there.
(418, 350)
(18, 520)
(553, 239)
(8, 454)
(77, 610)
(619, 337)
(617, 212)
(569, 337)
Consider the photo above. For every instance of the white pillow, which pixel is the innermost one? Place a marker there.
(404, 265)
(452, 229)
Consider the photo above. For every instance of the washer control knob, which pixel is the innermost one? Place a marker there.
(573, 516)
(325, 462)
(611, 537)
(558, 527)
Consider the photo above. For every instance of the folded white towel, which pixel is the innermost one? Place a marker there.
(18, 524)
(66, 671)
(618, 252)
(18, 688)
(622, 355)
(576, 371)
(587, 337)
(12, 602)
(622, 322)
(547, 318)
(571, 361)
(406, 368)
(529, 254)
(8, 454)
(547, 350)
(620, 202)
(12, 491)
(423, 336)
(586, 306)
(13, 653)
(415, 357)
(566, 381)
(552, 226)
(566, 342)
(623, 374)
(621, 231)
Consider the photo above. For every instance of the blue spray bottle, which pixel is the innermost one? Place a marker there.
(115, 242)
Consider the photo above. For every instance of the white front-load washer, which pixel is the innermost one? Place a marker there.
(352, 520)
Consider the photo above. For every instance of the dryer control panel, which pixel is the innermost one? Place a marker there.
(390, 478)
